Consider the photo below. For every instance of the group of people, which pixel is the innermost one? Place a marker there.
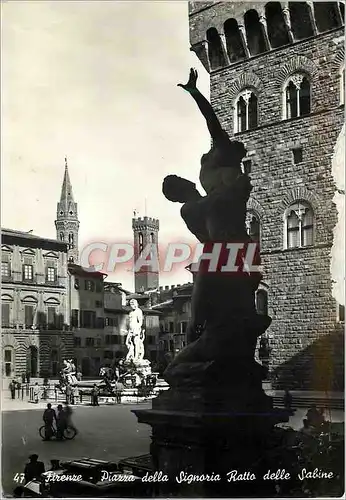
(117, 390)
(62, 416)
(314, 419)
(14, 384)
(72, 394)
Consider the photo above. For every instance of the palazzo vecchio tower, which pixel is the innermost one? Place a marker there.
(277, 84)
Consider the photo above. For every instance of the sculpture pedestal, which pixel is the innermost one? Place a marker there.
(225, 446)
(215, 418)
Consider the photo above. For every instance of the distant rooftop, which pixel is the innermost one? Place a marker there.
(34, 238)
(82, 271)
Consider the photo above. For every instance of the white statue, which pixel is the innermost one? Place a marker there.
(135, 336)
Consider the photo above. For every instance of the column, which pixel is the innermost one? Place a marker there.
(312, 17)
(242, 32)
(287, 19)
(263, 23)
(224, 48)
(339, 14)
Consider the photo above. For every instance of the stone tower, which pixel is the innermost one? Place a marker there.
(67, 223)
(277, 80)
(145, 231)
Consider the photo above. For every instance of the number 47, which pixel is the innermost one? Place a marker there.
(19, 478)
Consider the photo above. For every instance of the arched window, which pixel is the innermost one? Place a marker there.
(140, 243)
(297, 96)
(61, 236)
(327, 15)
(246, 111)
(299, 221)
(152, 242)
(234, 44)
(254, 33)
(276, 26)
(262, 302)
(216, 57)
(300, 20)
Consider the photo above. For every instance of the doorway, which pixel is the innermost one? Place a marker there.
(32, 361)
(86, 367)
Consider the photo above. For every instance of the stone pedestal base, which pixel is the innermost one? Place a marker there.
(222, 451)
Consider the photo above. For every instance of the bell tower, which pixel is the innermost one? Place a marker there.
(145, 232)
(67, 223)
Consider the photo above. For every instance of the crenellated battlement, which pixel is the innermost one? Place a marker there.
(142, 223)
(224, 33)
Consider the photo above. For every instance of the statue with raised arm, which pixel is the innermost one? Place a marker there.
(223, 303)
(221, 166)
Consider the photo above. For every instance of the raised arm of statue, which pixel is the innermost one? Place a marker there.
(216, 131)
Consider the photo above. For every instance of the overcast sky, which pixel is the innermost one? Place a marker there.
(96, 81)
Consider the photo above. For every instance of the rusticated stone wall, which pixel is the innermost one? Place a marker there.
(306, 335)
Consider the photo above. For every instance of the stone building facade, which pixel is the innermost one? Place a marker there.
(86, 290)
(34, 304)
(277, 84)
(174, 303)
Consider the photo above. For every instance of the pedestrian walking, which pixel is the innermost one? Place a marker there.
(75, 394)
(60, 422)
(33, 469)
(95, 396)
(119, 388)
(48, 418)
(36, 392)
(12, 388)
(18, 387)
(68, 394)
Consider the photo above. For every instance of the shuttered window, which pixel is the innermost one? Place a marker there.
(51, 273)
(5, 265)
(28, 269)
(29, 315)
(5, 314)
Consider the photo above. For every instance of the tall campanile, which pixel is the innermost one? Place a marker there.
(67, 223)
(145, 232)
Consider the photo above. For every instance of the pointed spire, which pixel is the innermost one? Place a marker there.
(66, 190)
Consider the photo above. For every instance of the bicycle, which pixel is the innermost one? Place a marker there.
(68, 433)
